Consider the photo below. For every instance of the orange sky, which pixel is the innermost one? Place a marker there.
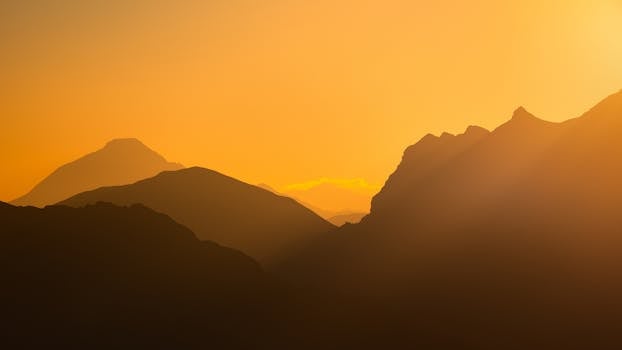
(284, 92)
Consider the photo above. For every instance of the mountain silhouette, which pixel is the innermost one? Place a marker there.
(222, 209)
(527, 180)
(121, 161)
(103, 276)
(511, 236)
(528, 174)
(121, 277)
(502, 239)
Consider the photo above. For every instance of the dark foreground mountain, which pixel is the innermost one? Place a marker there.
(222, 209)
(121, 161)
(108, 277)
(122, 277)
(502, 239)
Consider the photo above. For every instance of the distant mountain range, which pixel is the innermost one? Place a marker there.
(335, 217)
(217, 207)
(121, 161)
(334, 198)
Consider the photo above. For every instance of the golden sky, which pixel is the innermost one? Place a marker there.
(287, 92)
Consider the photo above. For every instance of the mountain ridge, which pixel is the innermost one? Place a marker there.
(120, 161)
(220, 208)
(527, 176)
(130, 273)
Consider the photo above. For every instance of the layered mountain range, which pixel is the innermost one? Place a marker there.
(217, 207)
(119, 162)
(507, 238)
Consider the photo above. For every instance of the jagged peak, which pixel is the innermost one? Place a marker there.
(446, 135)
(428, 137)
(522, 120)
(522, 114)
(475, 130)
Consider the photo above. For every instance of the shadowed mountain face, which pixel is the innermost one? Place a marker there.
(529, 184)
(219, 208)
(527, 175)
(504, 237)
(121, 161)
(108, 276)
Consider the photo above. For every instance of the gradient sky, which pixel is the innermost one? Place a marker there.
(286, 92)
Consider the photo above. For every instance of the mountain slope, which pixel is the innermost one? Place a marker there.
(121, 161)
(504, 237)
(530, 187)
(219, 208)
(106, 276)
(113, 277)
(527, 174)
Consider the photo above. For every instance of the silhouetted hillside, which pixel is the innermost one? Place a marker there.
(109, 277)
(527, 175)
(120, 277)
(120, 162)
(219, 208)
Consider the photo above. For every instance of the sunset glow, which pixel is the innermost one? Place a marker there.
(311, 174)
(268, 91)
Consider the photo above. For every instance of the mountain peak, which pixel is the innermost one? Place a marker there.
(119, 162)
(521, 113)
(475, 130)
(428, 137)
(124, 142)
(220, 208)
(196, 170)
(522, 121)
